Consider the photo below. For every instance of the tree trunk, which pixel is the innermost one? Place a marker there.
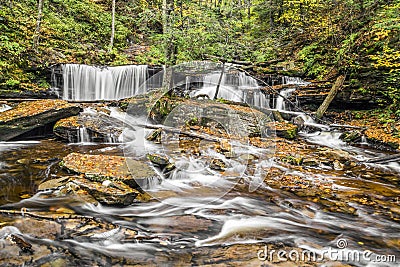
(38, 24)
(167, 8)
(332, 93)
(219, 81)
(112, 27)
(271, 14)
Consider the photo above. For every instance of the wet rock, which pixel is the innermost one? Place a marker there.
(230, 155)
(351, 136)
(338, 166)
(293, 159)
(28, 116)
(335, 154)
(225, 146)
(157, 159)
(24, 246)
(223, 119)
(285, 130)
(99, 168)
(170, 167)
(155, 136)
(310, 162)
(217, 164)
(298, 121)
(99, 126)
(54, 183)
(113, 193)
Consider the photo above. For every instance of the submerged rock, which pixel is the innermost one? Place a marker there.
(28, 116)
(99, 127)
(100, 168)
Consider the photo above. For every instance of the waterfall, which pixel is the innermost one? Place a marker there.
(83, 82)
(280, 103)
(235, 86)
(83, 135)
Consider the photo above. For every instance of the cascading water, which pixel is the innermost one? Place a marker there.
(204, 217)
(236, 86)
(83, 82)
(83, 135)
(280, 103)
(4, 107)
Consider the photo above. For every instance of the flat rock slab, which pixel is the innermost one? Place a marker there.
(100, 127)
(111, 193)
(27, 116)
(100, 168)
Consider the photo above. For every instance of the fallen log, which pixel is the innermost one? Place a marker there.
(178, 131)
(332, 93)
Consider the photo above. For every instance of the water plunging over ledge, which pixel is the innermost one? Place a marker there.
(89, 83)
(83, 82)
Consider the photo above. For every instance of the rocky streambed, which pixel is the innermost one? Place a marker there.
(188, 182)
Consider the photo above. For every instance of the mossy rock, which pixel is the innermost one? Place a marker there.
(286, 130)
(157, 159)
(351, 136)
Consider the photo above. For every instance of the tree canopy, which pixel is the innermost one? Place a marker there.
(319, 39)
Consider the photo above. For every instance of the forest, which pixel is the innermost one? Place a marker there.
(200, 133)
(313, 39)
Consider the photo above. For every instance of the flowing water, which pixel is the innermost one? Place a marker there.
(203, 217)
(83, 82)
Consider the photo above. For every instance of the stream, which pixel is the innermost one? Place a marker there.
(333, 215)
(200, 221)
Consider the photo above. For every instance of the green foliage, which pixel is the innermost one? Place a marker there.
(359, 38)
(312, 58)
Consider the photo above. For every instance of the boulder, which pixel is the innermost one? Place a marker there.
(28, 116)
(229, 117)
(99, 168)
(98, 126)
(226, 119)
